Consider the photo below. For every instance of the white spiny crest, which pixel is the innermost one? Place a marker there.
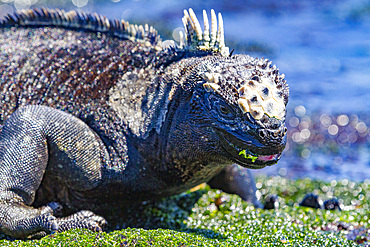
(195, 24)
(196, 39)
(206, 29)
(214, 27)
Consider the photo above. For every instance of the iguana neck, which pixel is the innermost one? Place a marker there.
(164, 127)
(182, 157)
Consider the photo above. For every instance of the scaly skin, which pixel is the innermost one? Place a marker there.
(92, 122)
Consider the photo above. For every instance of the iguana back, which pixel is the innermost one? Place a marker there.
(68, 68)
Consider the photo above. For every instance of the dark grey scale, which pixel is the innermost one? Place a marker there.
(80, 20)
(229, 98)
(229, 85)
(266, 91)
(255, 78)
(254, 99)
(238, 83)
(279, 95)
(235, 91)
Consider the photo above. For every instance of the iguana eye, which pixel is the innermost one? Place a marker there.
(220, 109)
(225, 111)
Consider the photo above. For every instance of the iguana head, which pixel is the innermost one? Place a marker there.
(242, 100)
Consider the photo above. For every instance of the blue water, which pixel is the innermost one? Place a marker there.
(323, 48)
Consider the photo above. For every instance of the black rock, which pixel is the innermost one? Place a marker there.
(272, 202)
(332, 204)
(312, 201)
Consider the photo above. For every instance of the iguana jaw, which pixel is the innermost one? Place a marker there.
(247, 154)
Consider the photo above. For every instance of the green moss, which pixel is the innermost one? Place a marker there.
(213, 218)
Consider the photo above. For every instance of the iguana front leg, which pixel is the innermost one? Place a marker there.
(235, 179)
(34, 139)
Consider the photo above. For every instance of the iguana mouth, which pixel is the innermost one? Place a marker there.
(246, 154)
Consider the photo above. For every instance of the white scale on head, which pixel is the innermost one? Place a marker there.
(259, 97)
(255, 97)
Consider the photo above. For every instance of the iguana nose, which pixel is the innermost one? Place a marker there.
(275, 131)
(266, 133)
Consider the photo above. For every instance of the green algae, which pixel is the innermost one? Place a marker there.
(201, 218)
(248, 156)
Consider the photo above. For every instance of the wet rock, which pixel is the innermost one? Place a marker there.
(271, 202)
(312, 201)
(332, 204)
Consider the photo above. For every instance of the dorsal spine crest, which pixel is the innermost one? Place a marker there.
(81, 20)
(196, 39)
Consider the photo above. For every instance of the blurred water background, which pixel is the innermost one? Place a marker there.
(323, 48)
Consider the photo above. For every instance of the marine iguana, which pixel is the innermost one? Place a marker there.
(96, 114)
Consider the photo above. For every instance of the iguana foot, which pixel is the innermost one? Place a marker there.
(36, 223)
(82, 219)
(40, 225)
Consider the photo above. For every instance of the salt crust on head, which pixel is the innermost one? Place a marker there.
(257, 95)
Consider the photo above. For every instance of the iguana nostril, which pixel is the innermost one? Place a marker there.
(264, 119)
(262, 134)
(272, 133)
(274, 124)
